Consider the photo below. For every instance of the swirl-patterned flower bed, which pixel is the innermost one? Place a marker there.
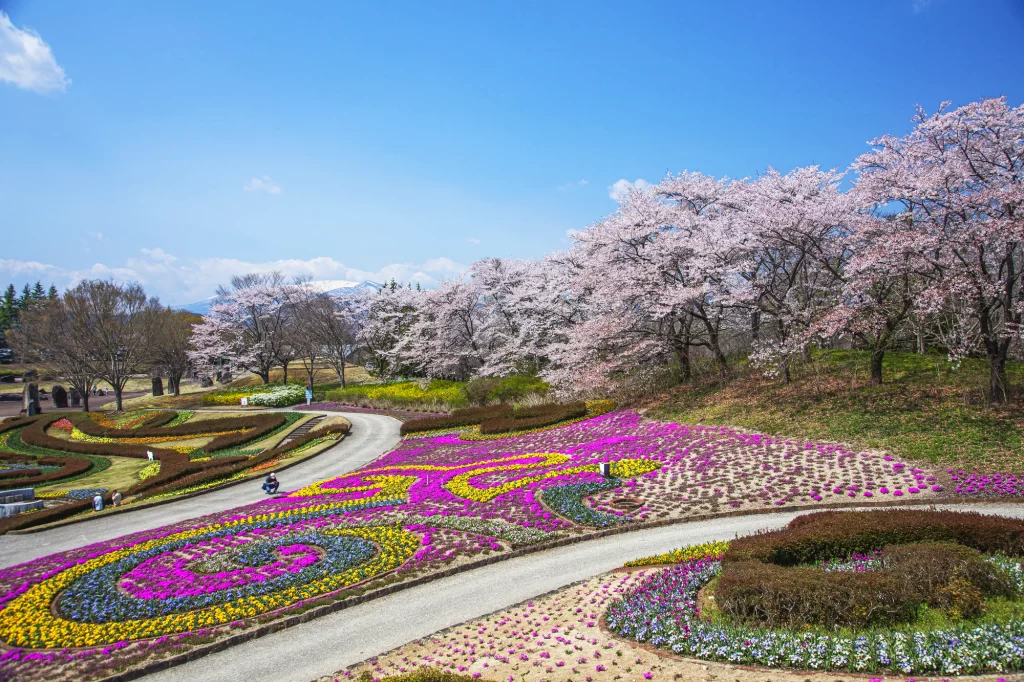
(190, 454)
(435, 503)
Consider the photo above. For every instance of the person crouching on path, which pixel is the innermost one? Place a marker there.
(271, 484)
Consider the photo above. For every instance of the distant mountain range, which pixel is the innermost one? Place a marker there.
(335, 287)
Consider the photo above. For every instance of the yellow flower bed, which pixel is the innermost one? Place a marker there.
(683, 554)
(82, 436)
(28, 622)
(150, 470)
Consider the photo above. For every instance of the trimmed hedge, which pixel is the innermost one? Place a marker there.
(228, 466)
(829, 534)
(469, 416)
(35, 434)
(267, 421)
(928, 558)
(69, 466)
(534, 418)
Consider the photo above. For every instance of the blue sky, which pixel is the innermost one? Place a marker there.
(188, 141)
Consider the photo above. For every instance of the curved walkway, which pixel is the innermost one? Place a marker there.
(326, 645)
(372, 435)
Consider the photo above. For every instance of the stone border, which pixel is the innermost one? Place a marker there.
(342, 604)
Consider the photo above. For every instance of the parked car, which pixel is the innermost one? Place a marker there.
(6, 356)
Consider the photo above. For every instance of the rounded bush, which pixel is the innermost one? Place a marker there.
(928, 558)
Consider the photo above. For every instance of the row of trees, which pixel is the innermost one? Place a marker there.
(104, 331)
(12, 304)
(262, 321)
(924, 248)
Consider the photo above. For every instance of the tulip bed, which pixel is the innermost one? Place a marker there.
(435, 502)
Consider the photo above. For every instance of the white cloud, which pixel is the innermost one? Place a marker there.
(26, 60)
(920, 5)
(472, 240)
(98, 236)
(179, 281)
(620, 188)
(570, 186)
(264, 184)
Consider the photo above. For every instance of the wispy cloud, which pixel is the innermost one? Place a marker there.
(570, 186)
(620, 188)
(263, 184)
(180, 281)
(472, 240)
(920, 5)
(26, 61)
(98, 236)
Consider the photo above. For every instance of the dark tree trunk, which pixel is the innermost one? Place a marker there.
(755, 326)
(877, 355)
(85, 401)
(784, 369)
(997, 374)
(118, 405)
(284, 369)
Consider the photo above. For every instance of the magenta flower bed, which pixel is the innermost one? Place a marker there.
(429, 503)
(986, 485)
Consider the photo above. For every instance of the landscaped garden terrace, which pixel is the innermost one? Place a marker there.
(439, 502)
(886, 593)
(69, 458)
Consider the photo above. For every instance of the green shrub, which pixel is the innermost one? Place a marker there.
(928, 557)
(825, 535)
(469, 416)
(534, 418)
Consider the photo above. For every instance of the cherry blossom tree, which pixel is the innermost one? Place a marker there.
(958, 176)
(246, 326)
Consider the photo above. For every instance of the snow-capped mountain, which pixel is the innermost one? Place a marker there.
(335, 287)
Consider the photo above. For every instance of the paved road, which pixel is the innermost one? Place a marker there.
(325, 645)
(372, 435)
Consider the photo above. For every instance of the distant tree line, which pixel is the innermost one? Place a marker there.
(12, 305)
(103, 331)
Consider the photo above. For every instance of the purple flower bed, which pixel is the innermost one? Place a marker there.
(986, 485)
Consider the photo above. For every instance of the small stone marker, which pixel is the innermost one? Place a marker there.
(76, 398)
(158, 386)
(605, 469)
(31, 399)
(59, 396)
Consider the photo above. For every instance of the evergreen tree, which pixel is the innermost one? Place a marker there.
(38, 292)
(8, 307)
(52, 293)
(26, 298)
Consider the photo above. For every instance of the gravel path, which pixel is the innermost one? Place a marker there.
(372, 435)
(325, 645)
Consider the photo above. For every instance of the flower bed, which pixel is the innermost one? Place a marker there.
(455, 500)
(344, 407)
(665, 609)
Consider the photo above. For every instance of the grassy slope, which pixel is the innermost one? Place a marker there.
(928, 410)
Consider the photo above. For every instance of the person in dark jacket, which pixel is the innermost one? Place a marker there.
(271, 484)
